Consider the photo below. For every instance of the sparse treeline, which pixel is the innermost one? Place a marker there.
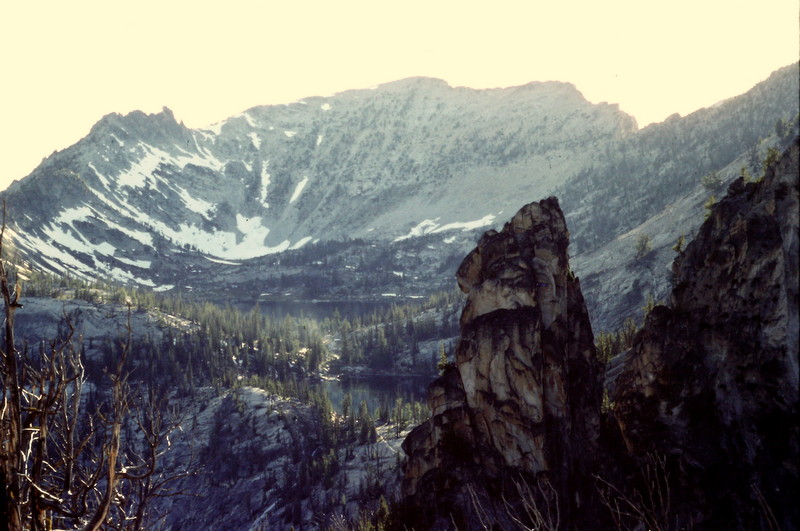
(381, 338)
(636, 180)
(68, 454)
(202, 343)
(609, 344)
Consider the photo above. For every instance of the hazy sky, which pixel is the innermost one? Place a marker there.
(66, 64)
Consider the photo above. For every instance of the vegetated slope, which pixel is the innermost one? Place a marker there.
(260, 442)
(662, 162)
(652, 187)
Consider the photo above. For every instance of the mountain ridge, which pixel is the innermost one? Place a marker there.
(143, 199)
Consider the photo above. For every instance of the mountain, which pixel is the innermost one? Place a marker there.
(265, 457)
(275, 178)
(374, 192)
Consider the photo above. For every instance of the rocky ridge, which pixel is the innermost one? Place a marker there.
(140, 189)
(712, 379)
(383, 191)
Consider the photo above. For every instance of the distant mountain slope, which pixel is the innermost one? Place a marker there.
(651, 186)
(274, 178)
(662, 162)
(367, 192)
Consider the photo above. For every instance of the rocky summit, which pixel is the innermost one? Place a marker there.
(520, 409)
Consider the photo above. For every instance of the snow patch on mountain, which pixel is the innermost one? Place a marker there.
(216, 128)
(121, 275)
(145, 238)
(325, 106)
(142, 171)
(249, 120)
(255, 140)
(245, 243)
(250, 226)
(61, 242)
(71, 215)
(204, 133)
(422, 228)
(103, 179)
(199, 206)
(299, 189)
(207, 160)
(63, 232)
(166, 287)
(301, 242)
(290, 134)
(54, 257)
(141, 264)
(220, 261)
(265, 178)
(486, 220)
(431, 226)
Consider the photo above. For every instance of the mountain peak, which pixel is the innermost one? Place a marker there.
(415, 83)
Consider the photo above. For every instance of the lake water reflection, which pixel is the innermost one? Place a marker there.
(377, 390)
(318, 310)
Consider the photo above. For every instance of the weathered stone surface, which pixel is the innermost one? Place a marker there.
(704, 427)
(712, 381)
(524, 398)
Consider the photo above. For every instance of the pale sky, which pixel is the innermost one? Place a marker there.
(66, 64)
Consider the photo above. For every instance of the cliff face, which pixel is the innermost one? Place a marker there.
(703, 426)
(711, 382)
(522, 404)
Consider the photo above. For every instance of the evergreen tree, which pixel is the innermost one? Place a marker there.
(711, 181)
(644, 244)
(444, 363)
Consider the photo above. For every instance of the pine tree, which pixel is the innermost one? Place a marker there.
(444, 363)
(711, 181)
(644, 244)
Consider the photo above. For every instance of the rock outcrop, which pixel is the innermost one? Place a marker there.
(702, 430)
(521, 407)
(711, 383)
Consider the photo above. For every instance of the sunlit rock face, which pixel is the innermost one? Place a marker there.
(523, 400)
(712, 380)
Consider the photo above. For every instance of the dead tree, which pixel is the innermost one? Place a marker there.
(61, 464)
